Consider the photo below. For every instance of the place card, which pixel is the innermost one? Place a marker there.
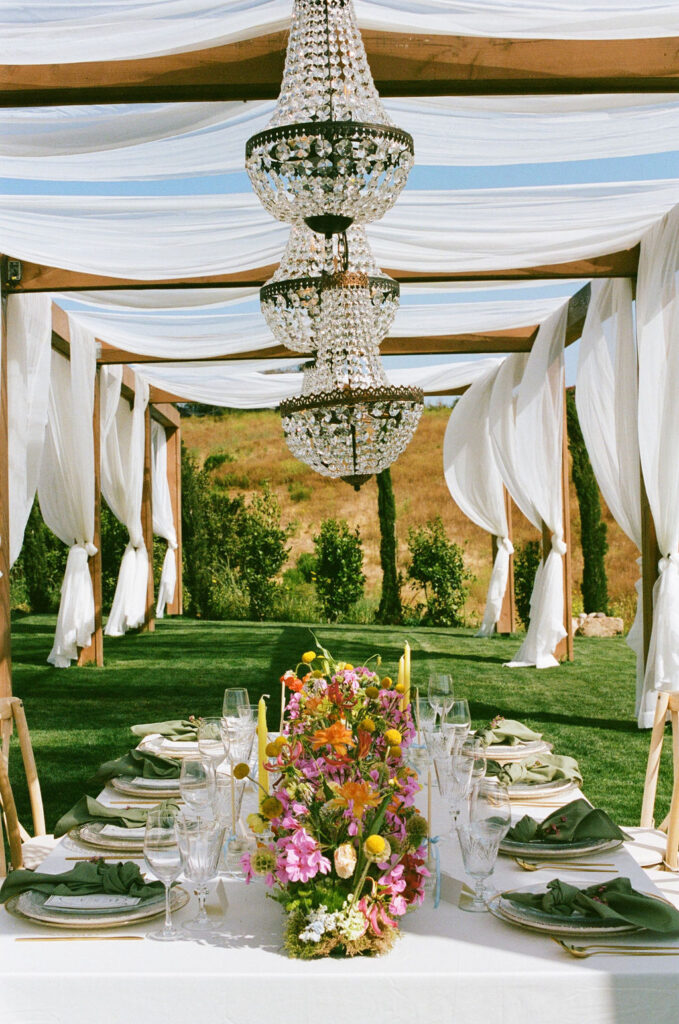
(120, 832)
(92, 901)
(155, 783)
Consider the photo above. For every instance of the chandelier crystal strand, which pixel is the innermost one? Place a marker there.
(292, 301)
(330, 154)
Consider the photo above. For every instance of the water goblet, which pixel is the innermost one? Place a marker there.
(490, 804)
(235, 697)
(200, 844)
(440, 692)
(212, 741)
(164, 860)
(458, 721)
(476, 749)
(197, 784)
(479, 842)
(454, 774)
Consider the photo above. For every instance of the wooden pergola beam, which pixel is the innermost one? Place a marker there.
(402, 64)
(38, 278)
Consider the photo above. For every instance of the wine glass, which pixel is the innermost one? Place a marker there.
(248, 712)
(235, 697)
(479, 842)
(197, 784)
(454, 775)
(164, 860)
(491, 805)
(200, 844)
(476, 749)
(458, 721)
(440, 692)
(212, 741)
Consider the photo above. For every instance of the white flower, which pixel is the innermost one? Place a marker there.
(345, 860)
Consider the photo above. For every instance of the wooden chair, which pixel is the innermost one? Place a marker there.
(33, 848)
(667, 702)
(9, 814)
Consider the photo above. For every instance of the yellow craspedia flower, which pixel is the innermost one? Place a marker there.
(387, 683)
(372, 691)
(279, 743)
(375, 845)
(395, 751)
(241, 771)
(368, 725)
(271, 808)
(348, 667)
(400, 688)
(317, 674)
(393, 737)
(271, 750)
(256, 823)
(308, 657)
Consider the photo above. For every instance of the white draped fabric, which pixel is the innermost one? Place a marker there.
(29, 347)
(66, 489)
(451, 230)
(606, 396)
(174, 140)
(255, 384)
(658, 347)
(526, 422)
(476, 486)
(122, 477)
(163, 520)
(47, 31)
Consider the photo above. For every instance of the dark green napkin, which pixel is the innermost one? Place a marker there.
(508, 732)
(177, 729)
(545, 768)
(89, 809)
(613, 901)
(139, 764)
(124, 879)
(571, 823)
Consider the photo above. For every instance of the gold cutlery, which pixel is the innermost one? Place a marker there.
(582, 952)
(573, 865)
(107, 856)
(78, 938)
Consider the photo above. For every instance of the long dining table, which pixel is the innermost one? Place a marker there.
(449, 966)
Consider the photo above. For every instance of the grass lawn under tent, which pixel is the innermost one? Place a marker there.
(81, 717)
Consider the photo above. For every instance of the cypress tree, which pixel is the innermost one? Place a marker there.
(592, 527)
(390, 611)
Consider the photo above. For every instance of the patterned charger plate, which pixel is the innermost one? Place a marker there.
(29, 906)
(89, 833)
(555, 924)
(518, 790)
(517, 752)
(129, 787)
(557, 851)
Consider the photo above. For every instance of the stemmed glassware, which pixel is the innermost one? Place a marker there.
(458, 721)
(489, 820)
(164, 860)
(454, 775)
(212, 741)
(440, 692)
(476, 749)
(197, 784)
(235, 697)
(200, 844)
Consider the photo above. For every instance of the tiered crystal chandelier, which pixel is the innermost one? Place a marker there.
(330, 154)
(329, 159)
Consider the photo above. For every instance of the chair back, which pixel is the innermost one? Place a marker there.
(13, 716)
(9, 814)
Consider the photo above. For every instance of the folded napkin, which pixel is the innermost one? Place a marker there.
(545, 768)
(614, 901)
(569, 824)
(507, 732)
(138, 764)
(124, 879)
(89, 809)
(182, 730)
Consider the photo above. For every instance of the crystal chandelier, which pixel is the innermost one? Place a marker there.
(330, 154)
(293, 300)
(349, 421)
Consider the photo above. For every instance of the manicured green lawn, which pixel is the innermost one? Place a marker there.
(80, 717)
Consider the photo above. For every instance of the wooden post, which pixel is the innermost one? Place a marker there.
(565, 647)
(650, 556)
(147, 523)
(94, 654)
(5, 620)
(174, 476)
(506, 622)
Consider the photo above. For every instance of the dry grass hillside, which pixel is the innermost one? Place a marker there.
(257, 452)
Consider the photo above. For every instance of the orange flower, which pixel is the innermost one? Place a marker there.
(361, 795)
(336, 736)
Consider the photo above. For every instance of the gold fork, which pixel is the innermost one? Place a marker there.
(573, 865)
(582, 952)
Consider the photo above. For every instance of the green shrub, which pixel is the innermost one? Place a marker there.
(299, 491)
(217, 459)
(593, 540)
(527, 558)
(306, 563)
(437, 567)
(339, 567)
(261, 552)
(114, 538)
(40, 567)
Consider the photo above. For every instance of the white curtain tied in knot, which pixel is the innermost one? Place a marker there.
(658, 426)
(122, 476)
(526, 429)
(163, 520)
(475, 484)
(66, 489)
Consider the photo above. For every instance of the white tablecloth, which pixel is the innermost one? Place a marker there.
(449, 966)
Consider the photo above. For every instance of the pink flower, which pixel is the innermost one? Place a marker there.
(247, 868)
(301, 858)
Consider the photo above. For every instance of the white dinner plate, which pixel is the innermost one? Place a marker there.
(30, 906)
(90, 833)
(146, 787)
(519, 790)
(503, 752)
(555, 924)
(542, 850)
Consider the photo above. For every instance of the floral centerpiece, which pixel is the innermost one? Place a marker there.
(339, 840)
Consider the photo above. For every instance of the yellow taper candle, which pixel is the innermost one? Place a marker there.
(399, 681)
(406, 675)
(262, 740)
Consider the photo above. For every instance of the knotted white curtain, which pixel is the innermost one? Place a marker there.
(29, 347)
(163, 520)
(658, 345)
(606, 396)
(122, 477)
(66, 489)
(526, 423)
(475, 484)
